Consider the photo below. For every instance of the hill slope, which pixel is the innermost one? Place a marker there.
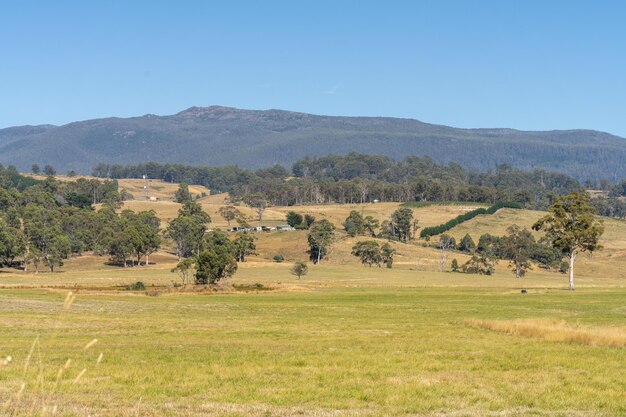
(251, 138)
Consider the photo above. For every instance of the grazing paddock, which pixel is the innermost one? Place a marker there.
(321, 352)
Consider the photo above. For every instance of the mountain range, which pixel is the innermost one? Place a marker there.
(218, 135)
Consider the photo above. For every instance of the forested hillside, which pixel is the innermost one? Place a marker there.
(255, 139)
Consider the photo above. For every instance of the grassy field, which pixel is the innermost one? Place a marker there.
(323, 352)
(345, 340)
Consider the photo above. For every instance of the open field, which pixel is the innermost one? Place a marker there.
(322, 352)
(345, 340)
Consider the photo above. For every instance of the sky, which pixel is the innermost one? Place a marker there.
(533, 65)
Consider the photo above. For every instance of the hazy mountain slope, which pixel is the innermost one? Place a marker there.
(249, 138)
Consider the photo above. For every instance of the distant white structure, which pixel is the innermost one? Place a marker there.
(145, 187)
(261, 228)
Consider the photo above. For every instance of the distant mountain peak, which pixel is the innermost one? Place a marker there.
(219, 135)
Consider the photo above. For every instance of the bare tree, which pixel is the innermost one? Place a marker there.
(259, 203)
(445, 244)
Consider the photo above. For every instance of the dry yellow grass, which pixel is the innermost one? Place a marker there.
(156, 188)
(165, 210)
(556, 331)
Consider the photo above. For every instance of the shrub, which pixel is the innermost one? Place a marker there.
(279, 258)
(137, 286)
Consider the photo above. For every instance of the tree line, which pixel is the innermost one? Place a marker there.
(358, 178)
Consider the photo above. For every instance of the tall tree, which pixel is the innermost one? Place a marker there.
(185, 270)
(386, 254)
(229, 213)
(402, 223)
(444, 245)
(517, 247)
(321, 235)
(216, 261)
(49, 170)
(243, 245)
(188, 229)
(12, 243)
(42, 226)
(368, 252)
(467, 244)
(183, 195)
(572, 228)
(259, 203)
(354, 224)
(294, 219)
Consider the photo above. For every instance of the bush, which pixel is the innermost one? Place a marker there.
(279, 258)
(455, 265)
(137, 286)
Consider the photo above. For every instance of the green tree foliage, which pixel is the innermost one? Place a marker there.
(355, 177)
(188, 228)
(44, 222)
(299, 269)
(182, 195)
(320, 237)
(35, 169)
(185, 269)
(454, 265)
(479, 264)
(307, 221)
(368, 252)
(258, 202)
(243, 245)
(294, 219)
(442, 228)
(387, 253)
(142, 231)
(229, 213)
(489, 245)
(371, 253)
(355, 224)
(12, 243)
(216, 261)
(49, 170)
(467, 244)
(401, 224)
(43, 230)
(517, 247)
(571, 227)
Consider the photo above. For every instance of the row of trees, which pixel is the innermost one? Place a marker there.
(357, 178)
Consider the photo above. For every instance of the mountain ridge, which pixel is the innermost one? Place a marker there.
(219, 135)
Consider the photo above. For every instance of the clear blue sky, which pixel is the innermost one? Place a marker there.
(522, 64)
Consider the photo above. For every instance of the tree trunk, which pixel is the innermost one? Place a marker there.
(572, 256)
(319, 253)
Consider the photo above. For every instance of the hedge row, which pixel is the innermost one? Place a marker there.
(442, 228)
